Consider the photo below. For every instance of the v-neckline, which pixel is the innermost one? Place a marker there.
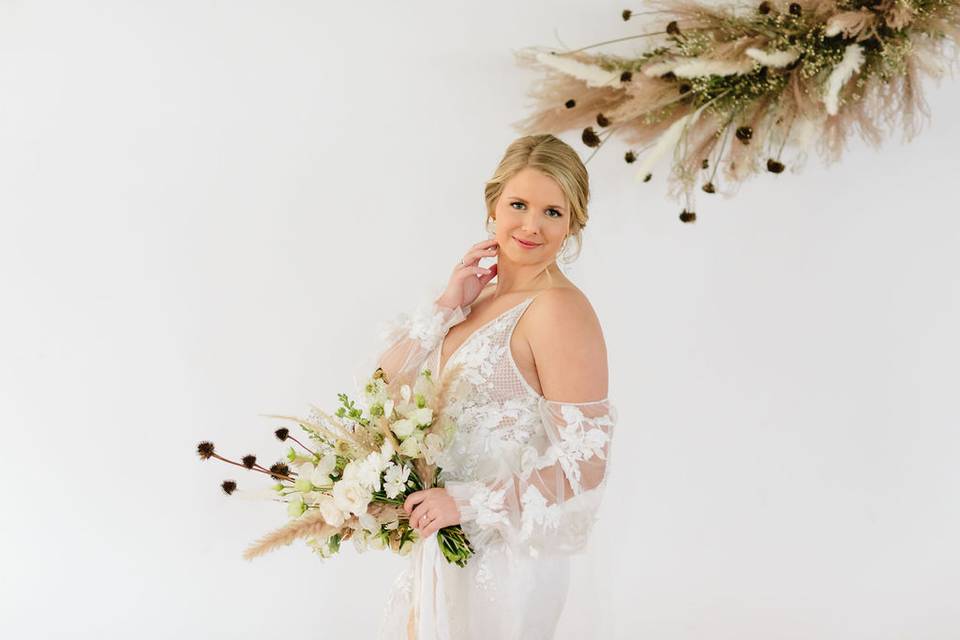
(470, 337)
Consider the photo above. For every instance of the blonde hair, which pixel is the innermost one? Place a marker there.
(553, 157)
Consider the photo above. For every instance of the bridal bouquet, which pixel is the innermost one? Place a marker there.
(354, 473)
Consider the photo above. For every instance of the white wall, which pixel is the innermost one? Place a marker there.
(204, 210)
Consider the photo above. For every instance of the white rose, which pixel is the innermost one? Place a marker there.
(421, 417)
(403, 427)
(410, 447)
(351, 496)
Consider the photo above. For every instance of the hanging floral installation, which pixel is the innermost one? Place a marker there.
(734, 87)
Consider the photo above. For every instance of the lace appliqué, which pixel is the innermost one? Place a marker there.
(536, 512)
(427, 325)
(578, 442)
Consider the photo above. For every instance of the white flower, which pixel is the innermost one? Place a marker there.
(406, 547)
(376, 542)
(395, 478)
(387, 408)
(331, 514)
(368, 472)
(411, 446)
(405, 392)
(369, 522)
(351, 496)
(295, 506)
(320, 476)
(432, 447)
(403, 427)
(421, 417)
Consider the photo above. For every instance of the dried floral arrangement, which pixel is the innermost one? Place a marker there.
(734, 86)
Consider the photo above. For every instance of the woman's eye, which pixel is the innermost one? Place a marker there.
(548, 210)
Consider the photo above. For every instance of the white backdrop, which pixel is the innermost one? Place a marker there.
(204, 210)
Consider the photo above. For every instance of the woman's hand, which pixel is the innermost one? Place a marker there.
(464, 285)
(431, 510)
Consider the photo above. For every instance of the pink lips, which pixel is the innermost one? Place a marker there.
(526, 245)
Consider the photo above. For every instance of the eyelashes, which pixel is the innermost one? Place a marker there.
(559, 214)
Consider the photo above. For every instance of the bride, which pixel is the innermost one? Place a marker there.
(525, 470)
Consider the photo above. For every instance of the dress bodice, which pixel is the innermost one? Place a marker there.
(492, 409)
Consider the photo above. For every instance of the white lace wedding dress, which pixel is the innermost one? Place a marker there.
(527, 474)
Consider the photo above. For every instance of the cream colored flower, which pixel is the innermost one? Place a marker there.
(411, 446)
(295, 506)
(332, 514)
(403, 427)
(368, 522)
(421, 417)
(320, 476)
(350, 496)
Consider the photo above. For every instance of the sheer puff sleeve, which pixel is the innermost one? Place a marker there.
(546, 500)
(410, 338)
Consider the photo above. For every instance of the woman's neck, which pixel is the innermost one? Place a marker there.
(514, 278)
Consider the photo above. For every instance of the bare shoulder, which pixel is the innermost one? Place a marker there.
(568, 347)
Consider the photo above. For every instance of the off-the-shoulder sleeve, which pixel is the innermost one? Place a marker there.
(549, 500)
(410, 338)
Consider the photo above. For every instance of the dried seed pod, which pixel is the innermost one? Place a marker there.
(709, 188)
(602, 120)
(744, 134)
(688, 216)
(774, 166)
(626, 76)
(570, 104)
(626, 14)
(673, 29)
(590, 138)
(764, 7)
(630, 157)
(795, 9)
(705, 164)
(647, 177)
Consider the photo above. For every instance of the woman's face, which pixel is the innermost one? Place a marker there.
(532, 208)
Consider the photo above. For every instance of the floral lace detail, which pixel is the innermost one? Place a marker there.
(535, 512)
(430, 323)
(579, 443)
(493, 410)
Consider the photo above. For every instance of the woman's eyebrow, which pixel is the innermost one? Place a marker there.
(555, 206)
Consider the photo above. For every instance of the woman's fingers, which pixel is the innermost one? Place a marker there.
(487, 277)
(413, 500)
(418, 513)
(472, 257)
